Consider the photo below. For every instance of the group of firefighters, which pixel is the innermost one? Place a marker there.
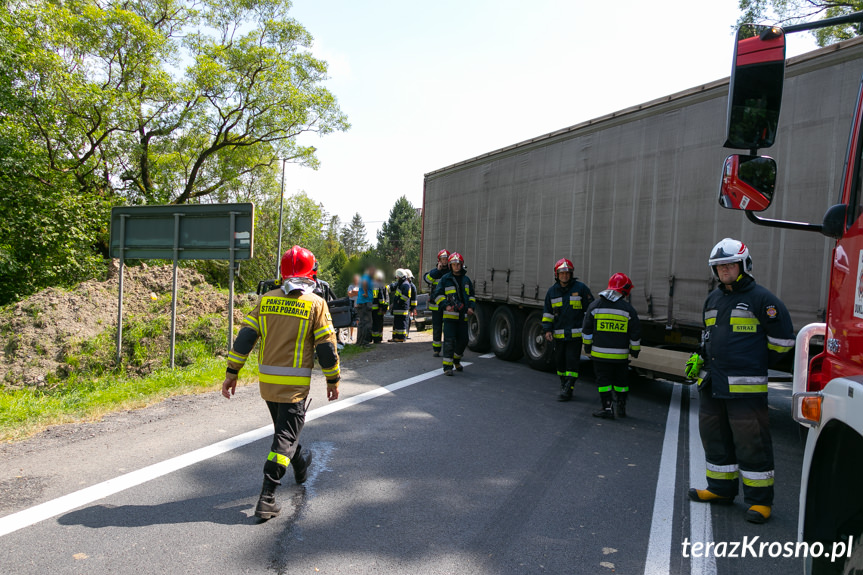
(746, 330)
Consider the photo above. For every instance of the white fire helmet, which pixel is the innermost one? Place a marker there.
(729, 251)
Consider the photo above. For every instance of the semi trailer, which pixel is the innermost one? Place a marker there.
(635, 192)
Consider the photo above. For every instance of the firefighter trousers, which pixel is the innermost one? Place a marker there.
(400, 324)
(612, 377)
(454, 342)
(288, 420)
(377, 326)
(736, 437)
(437, 329)
(567, 357)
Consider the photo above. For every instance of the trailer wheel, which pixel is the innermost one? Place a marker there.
(478, 327)
(506, 327)
(539, 353)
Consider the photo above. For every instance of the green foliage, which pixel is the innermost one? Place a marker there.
(353, 237)
(109, 103)
(400, 236)
(25, 411)
(795, 11)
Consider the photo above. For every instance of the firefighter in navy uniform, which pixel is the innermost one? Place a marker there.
(456, 295)
(611, 334)
(294, 325)
(400, 300)
(562, 320)
(432, 278)
(380, 303)
(747, 330)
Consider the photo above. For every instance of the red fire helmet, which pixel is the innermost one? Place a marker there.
(563, 265)
(443, 254)
(620, 282)
(456, 257)
(298, 263)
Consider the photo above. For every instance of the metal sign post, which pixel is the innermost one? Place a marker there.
(120, 304)
(231, 251)
(184, 232)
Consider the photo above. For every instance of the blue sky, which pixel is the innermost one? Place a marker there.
(428, 84)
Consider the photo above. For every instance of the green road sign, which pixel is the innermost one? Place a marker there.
(202, 231)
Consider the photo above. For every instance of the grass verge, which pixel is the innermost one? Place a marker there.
(27, 411)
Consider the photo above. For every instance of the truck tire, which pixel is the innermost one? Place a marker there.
(506, 327)
(478, 328)
(539, 353)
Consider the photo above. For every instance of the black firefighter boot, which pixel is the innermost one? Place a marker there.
(621, 403)
(267, 507)
(607, 411)
(300, 464)
(566, 385)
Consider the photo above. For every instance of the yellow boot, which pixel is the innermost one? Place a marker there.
(705, 496)
(758, 514)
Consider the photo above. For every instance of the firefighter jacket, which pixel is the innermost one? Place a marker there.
(563, 312)
(432, 278)
(611, 330)
(400, 297)
(291, 327)
(380, 301)
(413, 296)
(456, 291)
(747, 330)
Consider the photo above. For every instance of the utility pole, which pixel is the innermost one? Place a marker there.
(281, 210)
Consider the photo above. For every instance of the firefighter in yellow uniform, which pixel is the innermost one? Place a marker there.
(293, 324)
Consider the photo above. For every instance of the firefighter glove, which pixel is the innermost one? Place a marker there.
(693, 366)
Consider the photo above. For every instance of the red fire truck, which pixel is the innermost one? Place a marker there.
(828, 363)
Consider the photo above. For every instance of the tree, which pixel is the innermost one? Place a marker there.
(353, 237)
(794, 11)
(400, 236)
(165, 100)
(152, 101)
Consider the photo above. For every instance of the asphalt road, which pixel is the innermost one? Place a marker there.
(480, 473)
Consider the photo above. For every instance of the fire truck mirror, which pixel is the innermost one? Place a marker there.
(748, 183)
(833, 225)
(755, 90)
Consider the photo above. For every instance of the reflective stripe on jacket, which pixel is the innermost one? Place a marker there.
(563, 312)
(611, 330)
(289, 327)
(452, 289)
(747, 330)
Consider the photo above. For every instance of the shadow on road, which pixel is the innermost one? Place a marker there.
(234, 508)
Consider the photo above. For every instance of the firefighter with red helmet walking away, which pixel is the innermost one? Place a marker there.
(293, 324)
(747, 329)
(611, 334)
(455, 293)
(432, 278)
(562, 320)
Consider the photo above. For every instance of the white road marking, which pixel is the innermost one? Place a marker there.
(487, 356)
(658, 560)
(700, 518)
(33, 515)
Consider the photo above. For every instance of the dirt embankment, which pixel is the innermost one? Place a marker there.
(49, 335)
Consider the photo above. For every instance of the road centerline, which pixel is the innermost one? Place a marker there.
(658, 561)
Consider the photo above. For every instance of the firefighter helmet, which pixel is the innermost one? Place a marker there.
(455, 257)
(409, 274)
(400, 274)
(621, 283)
(563, 265)
(298, 262)
(443, 254)
(729, 251)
